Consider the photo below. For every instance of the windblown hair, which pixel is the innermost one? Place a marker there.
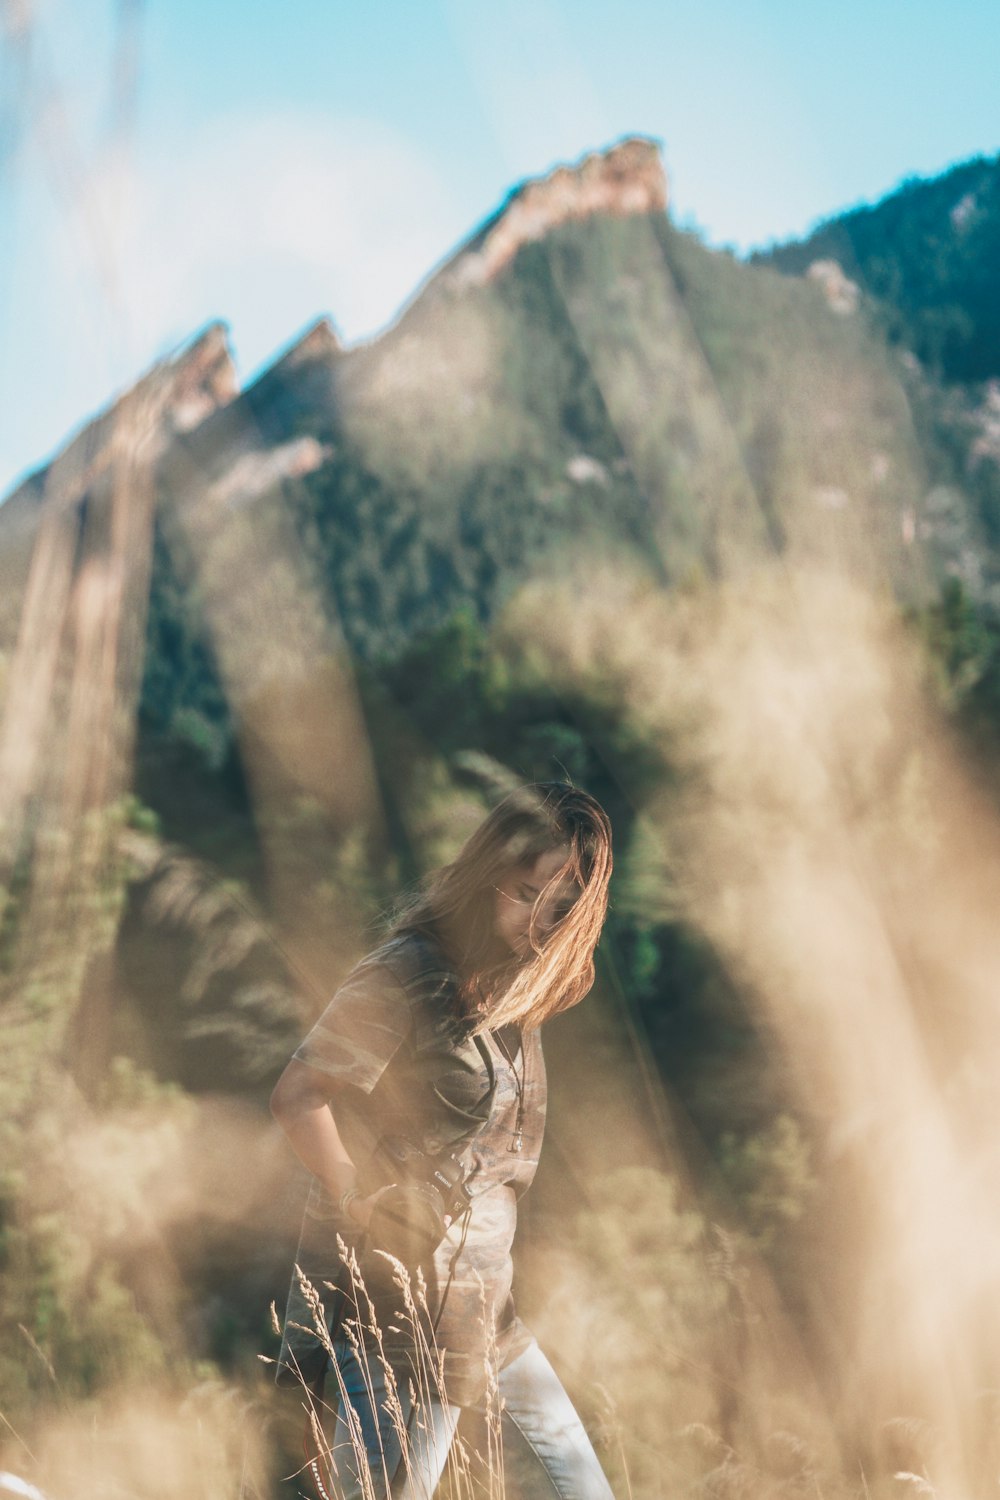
(457, 906)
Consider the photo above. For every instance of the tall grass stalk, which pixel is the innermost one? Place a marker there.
(468, 1474)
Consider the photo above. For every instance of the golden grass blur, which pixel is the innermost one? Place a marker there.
(285, 670)
(827, 837)
(207, 1442)
(69, 710)
(825, 834)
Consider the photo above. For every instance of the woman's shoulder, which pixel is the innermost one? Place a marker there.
(415, 958)
(420, 965)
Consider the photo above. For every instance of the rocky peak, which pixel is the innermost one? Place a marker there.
(174, 396)
(627, 178)
(319, 342)
(202, 378)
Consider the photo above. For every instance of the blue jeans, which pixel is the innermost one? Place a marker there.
(535, 1439)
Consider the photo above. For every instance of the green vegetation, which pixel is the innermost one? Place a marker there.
(928, 253)
(963, 646)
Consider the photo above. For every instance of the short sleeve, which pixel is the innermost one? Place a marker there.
(361, 1029)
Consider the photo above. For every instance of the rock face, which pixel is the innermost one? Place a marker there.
(627, 179)
(172, 398)
(204, 378)
(987, 418)
(842, 294)
(76, 550)
(319, 342)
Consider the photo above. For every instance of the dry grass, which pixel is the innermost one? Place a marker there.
(406, 1399)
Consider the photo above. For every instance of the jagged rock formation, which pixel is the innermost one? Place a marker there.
(628, 179)
(174, 397)
(75, 553)
(319, 341)
(842, 294)
(578, 377)
(200, 380)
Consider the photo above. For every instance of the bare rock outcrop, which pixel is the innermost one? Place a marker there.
(627, 179)
(319, 342)
(842, 294)
(204, 378)
(987, 419)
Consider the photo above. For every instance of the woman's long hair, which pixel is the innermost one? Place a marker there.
(457, 906)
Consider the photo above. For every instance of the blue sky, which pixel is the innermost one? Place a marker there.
(264, 163)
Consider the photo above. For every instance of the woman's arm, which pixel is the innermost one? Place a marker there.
(301, 1105)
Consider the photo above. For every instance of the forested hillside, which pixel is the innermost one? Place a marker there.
(926, 259)
(928, 253)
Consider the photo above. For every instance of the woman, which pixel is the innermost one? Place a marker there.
(417, 1101)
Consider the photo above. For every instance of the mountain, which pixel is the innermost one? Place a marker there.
(580, 387)
(579, 380)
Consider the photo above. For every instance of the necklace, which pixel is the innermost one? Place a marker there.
(517, 1139)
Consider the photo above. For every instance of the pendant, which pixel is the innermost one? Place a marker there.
(516, 1141)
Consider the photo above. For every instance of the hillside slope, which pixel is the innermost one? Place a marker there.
(929, 253)
(610, 389)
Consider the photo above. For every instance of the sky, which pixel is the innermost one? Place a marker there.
(167, 163)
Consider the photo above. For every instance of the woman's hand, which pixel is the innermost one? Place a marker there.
(300, 1103)
(360, 1209)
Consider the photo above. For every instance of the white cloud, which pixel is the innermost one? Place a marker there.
(265, 220)
(261, 215)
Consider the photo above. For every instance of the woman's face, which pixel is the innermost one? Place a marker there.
(517, 893)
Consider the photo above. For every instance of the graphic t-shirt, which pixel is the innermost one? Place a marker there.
(401, 1062)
